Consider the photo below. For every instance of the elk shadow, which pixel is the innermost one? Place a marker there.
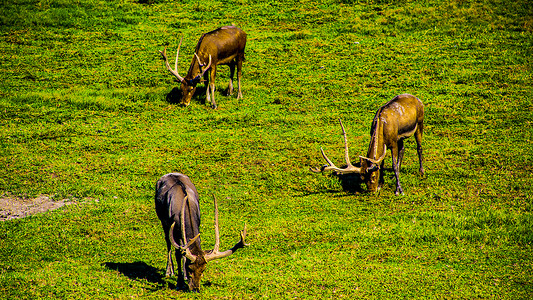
(137, 271)
(351, 183)
(175, 95)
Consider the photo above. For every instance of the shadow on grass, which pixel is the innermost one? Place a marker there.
(175, 95)
(351, 183)
(140, 270)
(137, 270)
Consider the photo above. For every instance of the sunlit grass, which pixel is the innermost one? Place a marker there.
(84, 117)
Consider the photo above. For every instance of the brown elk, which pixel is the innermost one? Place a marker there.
(222, 46)
(395, 121)
(177, 203)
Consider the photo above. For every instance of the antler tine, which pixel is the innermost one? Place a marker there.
(177, 54)
(346, 155)
(209, 64)
(379, 160)
(329, 166)
(183, 234)
(217, 234)
(243, 237)
(175, 71)
(198, 59)
(200, 64)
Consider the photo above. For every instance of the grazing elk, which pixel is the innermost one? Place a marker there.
(222, 46)
(395, 121)
(177, 203)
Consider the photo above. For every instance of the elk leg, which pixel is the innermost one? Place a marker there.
(395, 167)
(400, 154)
(181, 282)
(239, 73)
(381, 176)
(170, 264)
(231, 73)
(211, 86)
(418, 138)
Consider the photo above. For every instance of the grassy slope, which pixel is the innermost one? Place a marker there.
(84, 117)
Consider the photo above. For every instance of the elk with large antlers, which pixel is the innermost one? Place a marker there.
(395, 121)
(223, 46)
(177, 203)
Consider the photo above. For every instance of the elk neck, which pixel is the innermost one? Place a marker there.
(375, 148)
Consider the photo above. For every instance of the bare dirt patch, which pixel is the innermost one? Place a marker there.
(13, 207)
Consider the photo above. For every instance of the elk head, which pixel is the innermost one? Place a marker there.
(189, 82)
(196, 261)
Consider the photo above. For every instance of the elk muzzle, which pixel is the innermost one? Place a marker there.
(187, 91)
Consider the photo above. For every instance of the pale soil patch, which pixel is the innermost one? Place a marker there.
(13, 207)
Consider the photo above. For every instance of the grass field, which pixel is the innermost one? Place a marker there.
(84, 117)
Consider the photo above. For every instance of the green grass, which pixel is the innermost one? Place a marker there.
(84, 117)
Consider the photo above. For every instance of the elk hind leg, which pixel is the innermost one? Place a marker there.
(418, 138)
(231, 73)
(239, 75)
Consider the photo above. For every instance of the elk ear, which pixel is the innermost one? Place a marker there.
(373, 167)
(195, 80)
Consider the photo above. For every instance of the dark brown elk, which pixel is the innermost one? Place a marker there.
(223, 46)
(178, 208)
(395, 121)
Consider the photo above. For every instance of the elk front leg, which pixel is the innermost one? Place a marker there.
(400, 154)
(170, 264)
(381, 175)
(211, 87)
(181, 283)
(396, 169)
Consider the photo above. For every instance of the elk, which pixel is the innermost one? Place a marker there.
(395, 121)
(222, 46)
(178, 208)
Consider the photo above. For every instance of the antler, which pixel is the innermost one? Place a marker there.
(200, 64)
(330, 166)
(175, 71)
(184, 249)
(379, 160)
(214, 254)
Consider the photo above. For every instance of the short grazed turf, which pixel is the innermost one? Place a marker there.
(84, 117)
